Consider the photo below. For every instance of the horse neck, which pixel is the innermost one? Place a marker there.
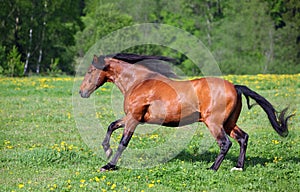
(125, 75)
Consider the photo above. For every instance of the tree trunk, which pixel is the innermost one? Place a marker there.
(269, 54)
(208, 23)
(28, 53)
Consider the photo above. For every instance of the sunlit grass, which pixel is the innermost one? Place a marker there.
(42, 150)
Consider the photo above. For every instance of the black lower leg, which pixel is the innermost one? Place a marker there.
(225, 145)
(111, 128)
(122, 146)
(243, 141)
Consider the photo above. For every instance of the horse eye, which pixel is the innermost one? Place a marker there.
(90, 71)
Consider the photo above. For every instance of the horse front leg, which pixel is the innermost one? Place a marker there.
(127, 134)
(111, 128)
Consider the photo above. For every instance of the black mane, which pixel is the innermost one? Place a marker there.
(153, 63)
(134, 58)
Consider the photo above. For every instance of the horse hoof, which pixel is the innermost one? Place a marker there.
(236, 169)
(108, 153)
(108, 167)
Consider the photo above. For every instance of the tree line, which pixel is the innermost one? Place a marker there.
(245, 37)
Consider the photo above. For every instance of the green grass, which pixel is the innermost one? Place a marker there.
(41, 148)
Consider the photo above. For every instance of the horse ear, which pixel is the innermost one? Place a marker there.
(95, 59)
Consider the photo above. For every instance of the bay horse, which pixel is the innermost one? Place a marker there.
(153, 95)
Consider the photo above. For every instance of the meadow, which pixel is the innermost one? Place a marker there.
(41, 148)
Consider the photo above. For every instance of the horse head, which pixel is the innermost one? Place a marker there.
(95, 77)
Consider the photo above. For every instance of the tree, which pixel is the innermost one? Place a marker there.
(15, 66)
(41, 31)
(101, 18)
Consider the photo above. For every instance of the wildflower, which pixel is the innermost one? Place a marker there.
(150, 185)
(21, 185)
(276, 159)
(63, 143)
(6, 142)
(82, 181)
(9, 146)
(154, 136)
(113, 186)
(97, 179)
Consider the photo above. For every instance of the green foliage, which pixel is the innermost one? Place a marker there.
(100, 20)
(15, 67)
(2, 59)
(41, 29)
(245, 37)
(54, 70)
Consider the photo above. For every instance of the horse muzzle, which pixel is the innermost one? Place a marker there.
(84, 94)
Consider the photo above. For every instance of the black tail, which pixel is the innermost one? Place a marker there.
(279, 123)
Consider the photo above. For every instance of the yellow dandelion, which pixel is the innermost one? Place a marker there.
(150, 185)
(275, 142)
(9, 147)
(82, 181)
(21, 185)
(70, 147)
(154, 136)
(97, 179)
(113, 186)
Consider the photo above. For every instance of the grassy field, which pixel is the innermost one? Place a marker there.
(41, 148)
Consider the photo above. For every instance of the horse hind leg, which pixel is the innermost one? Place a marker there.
(237, 134)
(242, 138)
(223, 141)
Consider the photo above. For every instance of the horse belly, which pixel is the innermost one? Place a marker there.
(167, 114)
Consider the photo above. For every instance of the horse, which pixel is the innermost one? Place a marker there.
(154, 95)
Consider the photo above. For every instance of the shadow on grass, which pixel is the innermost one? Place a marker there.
(209, 158)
